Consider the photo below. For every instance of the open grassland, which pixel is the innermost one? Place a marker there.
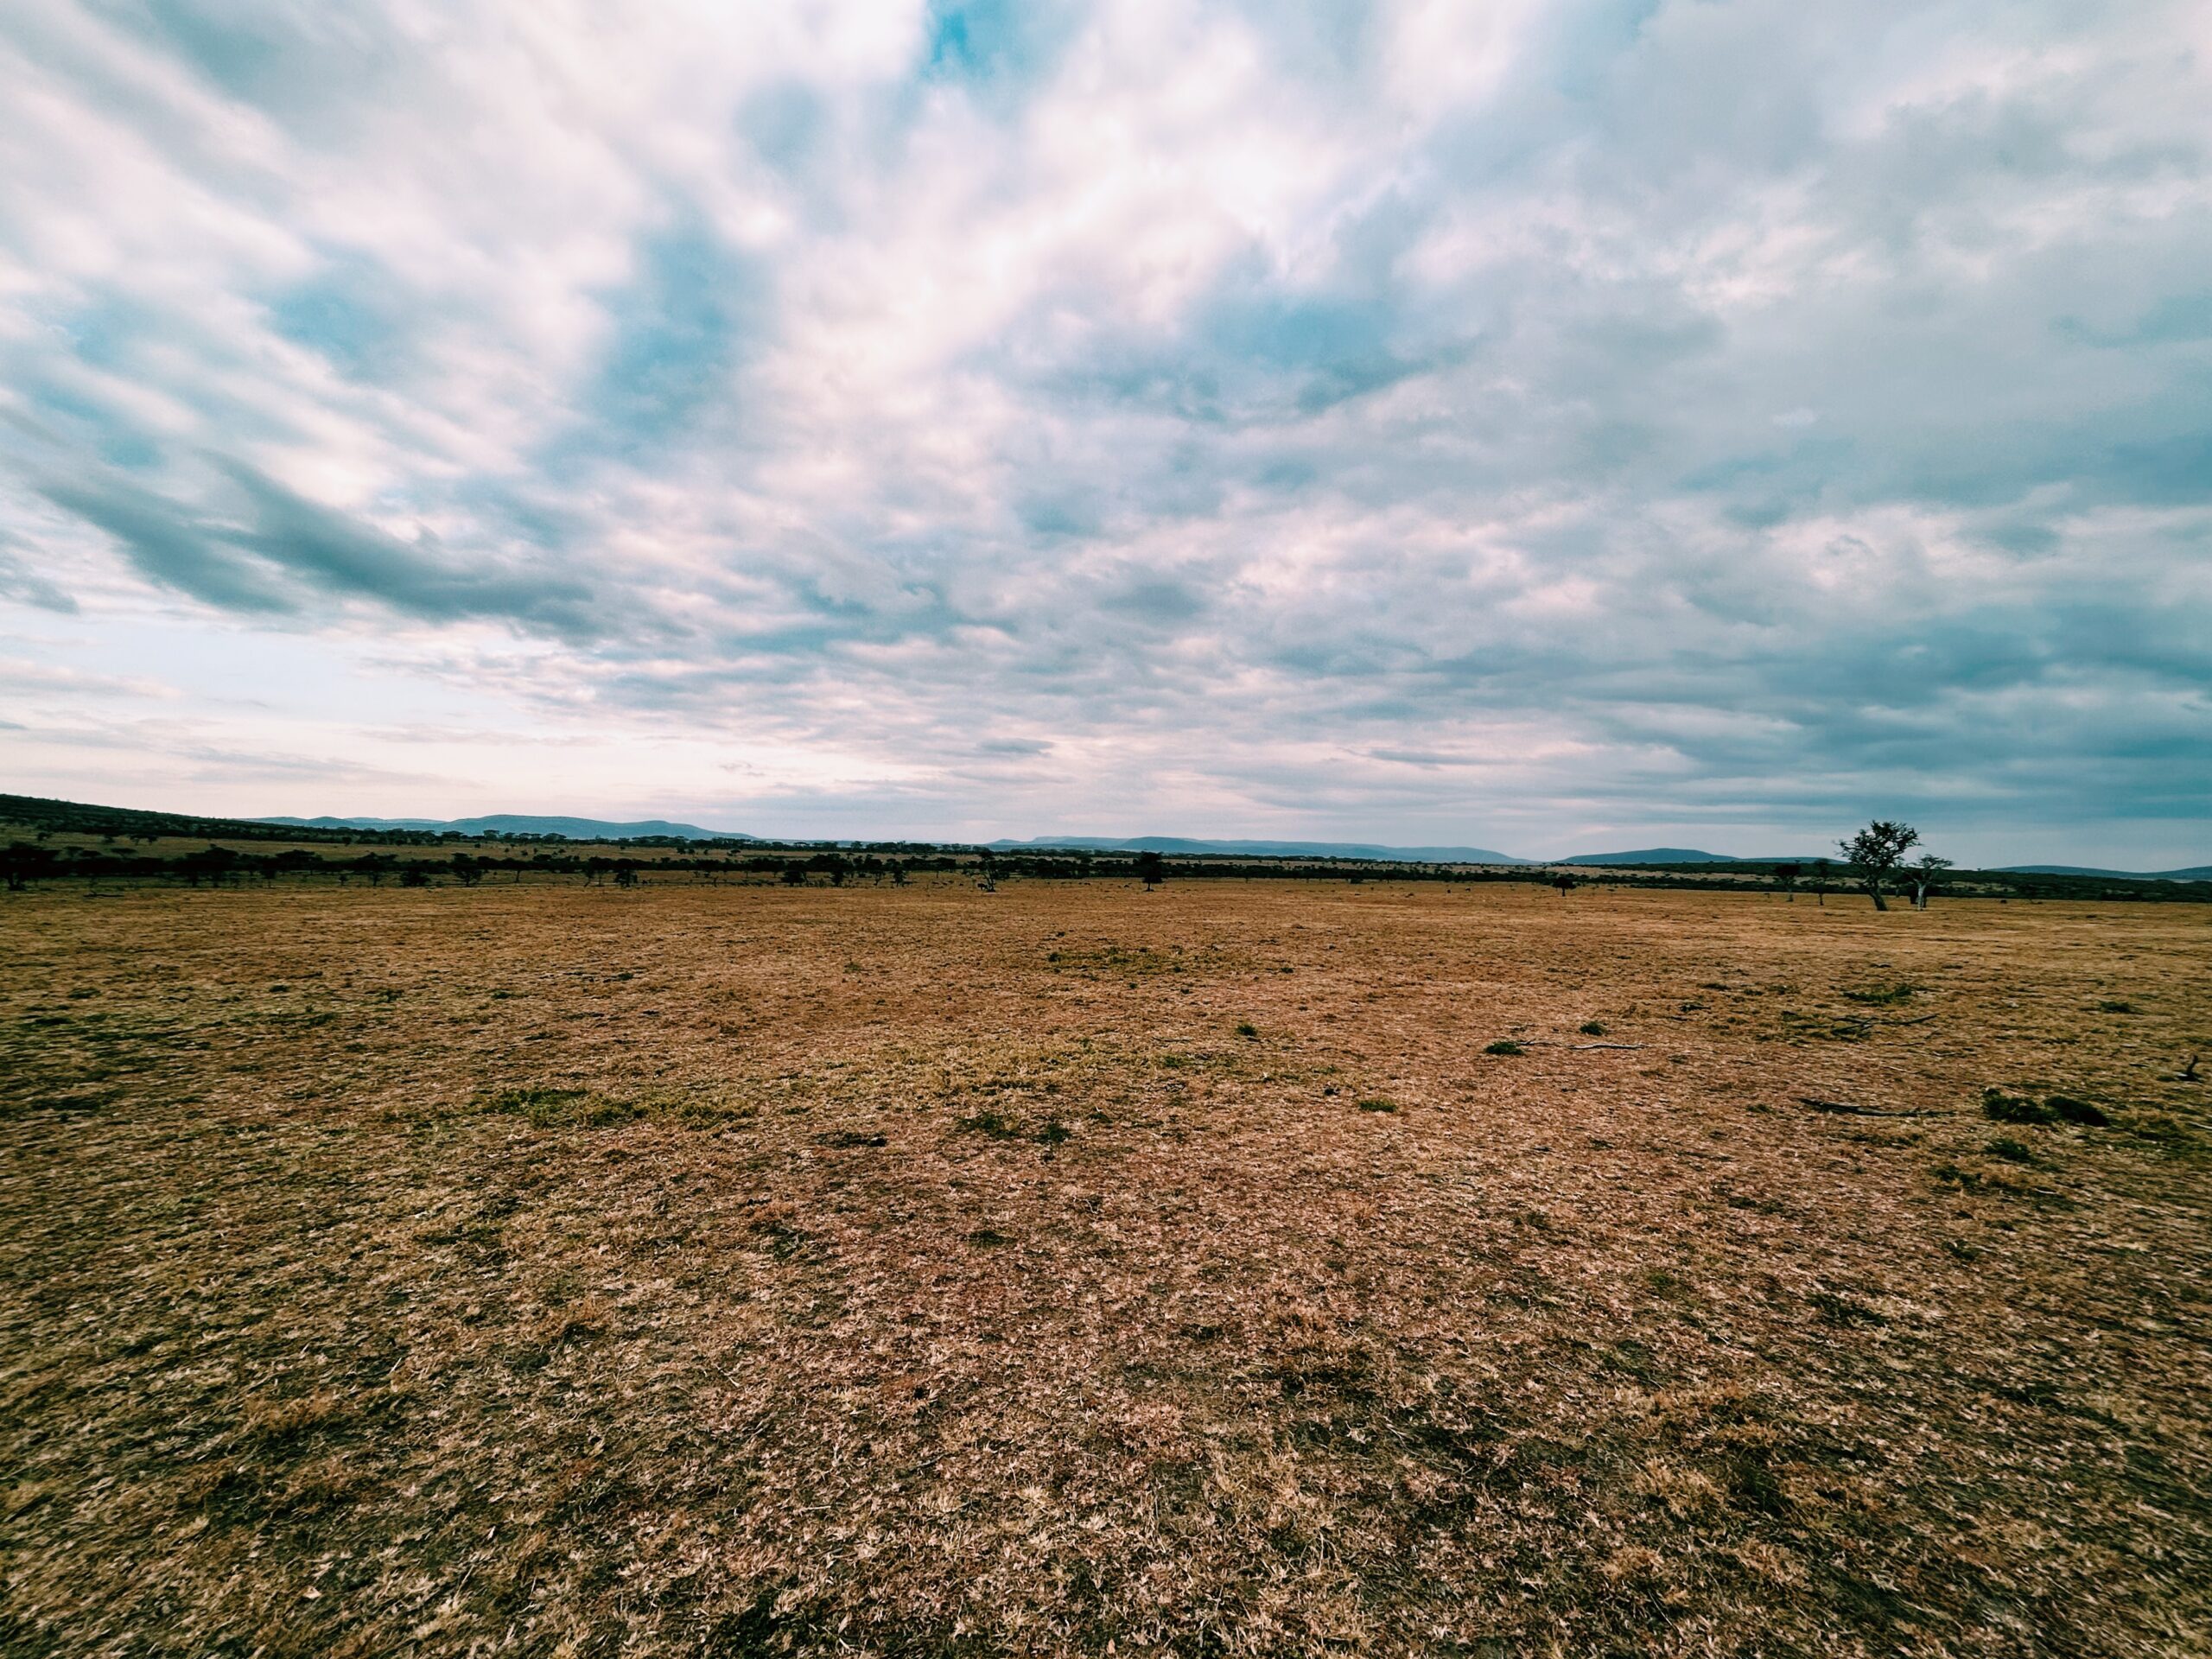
(1266, 1267)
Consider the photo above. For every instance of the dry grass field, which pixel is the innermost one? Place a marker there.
(545, 1270)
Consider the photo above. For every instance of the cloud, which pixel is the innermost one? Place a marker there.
(169, 548)
(1425, 422)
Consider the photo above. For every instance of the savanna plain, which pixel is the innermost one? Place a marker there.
(1240, 1267)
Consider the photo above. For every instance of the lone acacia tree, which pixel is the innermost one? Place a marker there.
(1875, 853)
(1785, 877)
(1152, 869)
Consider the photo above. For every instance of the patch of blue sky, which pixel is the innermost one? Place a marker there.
(997, 50)
(353, 313)
(696, 311)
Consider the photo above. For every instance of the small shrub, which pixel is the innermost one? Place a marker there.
(1246, 1028)
(1593, 1028)
(1375, 1104)
(1881, 996)
(2114, 1005)
(2000, 1108)
(2071, 1110)
(996, 1125)
(1505, 1046)
(2017, 1152)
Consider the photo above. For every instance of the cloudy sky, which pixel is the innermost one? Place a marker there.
(1543, 426)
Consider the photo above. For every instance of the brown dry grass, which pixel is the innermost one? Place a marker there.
(544, 1270)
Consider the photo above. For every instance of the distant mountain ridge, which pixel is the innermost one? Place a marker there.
(575, 828)
(2194, 873)
(515, 823)
(1258, 850)
(1688, 855)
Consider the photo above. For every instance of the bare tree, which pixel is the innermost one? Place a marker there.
(1875, 853)
(1924, 877)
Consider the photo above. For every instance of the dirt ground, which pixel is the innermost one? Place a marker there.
(539, 1269)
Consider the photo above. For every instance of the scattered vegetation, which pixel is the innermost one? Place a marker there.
(1881, 996)
(2002, 1108)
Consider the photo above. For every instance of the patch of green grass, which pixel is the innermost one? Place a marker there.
(1377, 1104)
(1505, 1046)
(562, 1109)
(1246, 1028)
(2017, 1152)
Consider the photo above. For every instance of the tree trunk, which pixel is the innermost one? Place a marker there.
(1874, 892)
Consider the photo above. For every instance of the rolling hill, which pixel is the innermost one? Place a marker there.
(513, 824)
(1178, 845)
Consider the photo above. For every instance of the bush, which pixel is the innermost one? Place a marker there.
(1505, 1046)
(2000, 1108)
(1881, 996)
(2071, 1110)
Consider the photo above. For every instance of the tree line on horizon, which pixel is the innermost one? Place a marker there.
(1872, 861)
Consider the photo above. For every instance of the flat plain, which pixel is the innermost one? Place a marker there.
(1240, 1267)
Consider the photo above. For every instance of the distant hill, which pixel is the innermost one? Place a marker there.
(513, 823)
(1688, 855)
(2195, 872)
(1260, 849)
(1651, 855)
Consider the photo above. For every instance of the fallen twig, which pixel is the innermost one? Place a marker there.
(1854, 1109)
(1582, 1045)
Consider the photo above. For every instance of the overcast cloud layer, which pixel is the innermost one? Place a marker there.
(1529, 425)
